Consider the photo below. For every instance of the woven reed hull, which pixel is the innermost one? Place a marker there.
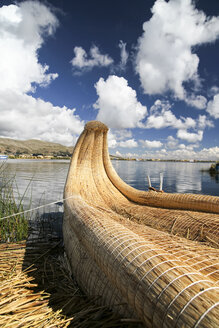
(138, 271)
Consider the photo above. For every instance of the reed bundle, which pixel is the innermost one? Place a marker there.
(37, 290)
(20, 305)
(122, 246)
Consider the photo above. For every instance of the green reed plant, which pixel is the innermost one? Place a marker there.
(14, 228)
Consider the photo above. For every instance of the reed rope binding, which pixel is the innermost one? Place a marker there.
(35, 208)
(122, 246)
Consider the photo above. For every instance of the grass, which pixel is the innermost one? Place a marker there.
(15, 228)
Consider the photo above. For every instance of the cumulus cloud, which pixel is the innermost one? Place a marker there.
(161, 117)
(23, 29)
(124, 55)
(190, 136)
(165, 56)
(118, 153)
(199, 102)
(24, 117)
(182, 152)
(213, 107)
(171, 142)
(83, 63)
(211, 153)
(188, 147)
(130, 143)
(123, 134)
(213, 90)
(204, 122)
(188, 129)
(151, 144)
(112, 139)
(118, 138)
(117, 103)
(162, 120)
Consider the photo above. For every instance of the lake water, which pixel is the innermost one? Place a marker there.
(42, 181)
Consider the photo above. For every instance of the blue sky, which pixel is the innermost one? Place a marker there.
(148, 69)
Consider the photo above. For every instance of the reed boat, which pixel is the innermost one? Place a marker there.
(146, 255)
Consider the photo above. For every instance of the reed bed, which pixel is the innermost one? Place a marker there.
(15, 228)
(20, 305)
(38, 290)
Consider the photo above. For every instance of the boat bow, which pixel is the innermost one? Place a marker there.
(122, 247)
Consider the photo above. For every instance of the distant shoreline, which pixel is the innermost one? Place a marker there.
(112, 157)
(38, 149)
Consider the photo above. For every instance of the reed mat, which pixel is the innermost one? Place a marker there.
(38, 290)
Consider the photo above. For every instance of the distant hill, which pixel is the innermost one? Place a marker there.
(29, 147)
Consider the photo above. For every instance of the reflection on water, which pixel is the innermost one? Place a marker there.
(193, 183)
(45, 180)
(39, 181)
(179, 177)
(214, 176)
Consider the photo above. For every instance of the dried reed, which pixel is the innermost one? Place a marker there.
(37, 289)
(118, 257)
(20, 305)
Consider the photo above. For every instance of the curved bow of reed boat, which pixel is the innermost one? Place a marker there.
(121, 245)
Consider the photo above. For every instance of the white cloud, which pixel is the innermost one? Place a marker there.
(130, 143)
(187, 147)
(112, 139)
(165, 119)
(118, 153)
(117, 103)
(182, 153)
(199, 102)
(161, 117)
(213, 107)
(82, 62)
(182, 146)
(123, 134)
(187, 123)
(118, 138)
(130, 155)
(171, 142)
(22, 29)
(209, 153)
(160, 105)
(190, 136)
(151, 144)
(165, 58)
(204, 122)
(213, 90)
(124, 55)
(24, 117)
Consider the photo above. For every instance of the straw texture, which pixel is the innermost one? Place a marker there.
(20, 304)
(122, 246)
(37, 289)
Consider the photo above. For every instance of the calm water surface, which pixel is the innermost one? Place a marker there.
(42, 181)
